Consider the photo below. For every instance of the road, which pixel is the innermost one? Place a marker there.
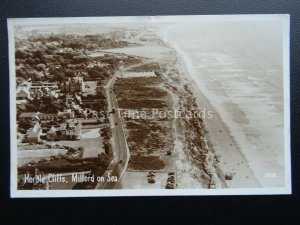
(120, 147)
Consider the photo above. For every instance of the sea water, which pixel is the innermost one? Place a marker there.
(238, 67)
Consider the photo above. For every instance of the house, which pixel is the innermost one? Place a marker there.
(22, 93)
(53, 94)
(73, 84)
(49, 126)
(68, 131)
(73, 129)
(76, 107)
(66, 114)
(46, 125)
(34, 134)
(41, 84)
(29, 116)
(53, 134)
(39, 90)
(97, 64)
(37, 116)
(48, 116)
(78, 98)
(64, 50)
(37, 93)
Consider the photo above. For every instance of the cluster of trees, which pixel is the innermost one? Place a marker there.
(96, 102)
(106, 135)
(65, 165)
(24, 126)
(44, 105)
(97, 166)
(52, 57)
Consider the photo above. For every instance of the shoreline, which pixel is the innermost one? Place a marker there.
(232, 158)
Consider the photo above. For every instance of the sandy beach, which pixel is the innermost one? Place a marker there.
(240, 89)
(232, 159)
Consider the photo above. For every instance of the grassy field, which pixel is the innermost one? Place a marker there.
(146, 68)
(149, 139)
(140, 162)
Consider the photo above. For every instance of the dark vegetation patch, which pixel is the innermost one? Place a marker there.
(65, 165)
(140, 104)
(145, 136)
(140, 92)
(139, 162)
(146, 67)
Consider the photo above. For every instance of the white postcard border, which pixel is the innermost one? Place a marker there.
(148, 192)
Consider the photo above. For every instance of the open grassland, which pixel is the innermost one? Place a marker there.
(150, 138)
(140, 93)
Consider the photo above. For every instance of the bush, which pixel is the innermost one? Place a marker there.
(61, 164)
(139, 162)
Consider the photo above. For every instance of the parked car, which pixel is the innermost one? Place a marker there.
(151, 177)
(151, 180)
(169, 186)
(228, 176)
(151, 174)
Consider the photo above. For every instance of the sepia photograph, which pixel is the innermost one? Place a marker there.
(150, 105)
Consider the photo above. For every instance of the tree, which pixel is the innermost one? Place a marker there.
(24, 124)
(20, 54)
(81, 149)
